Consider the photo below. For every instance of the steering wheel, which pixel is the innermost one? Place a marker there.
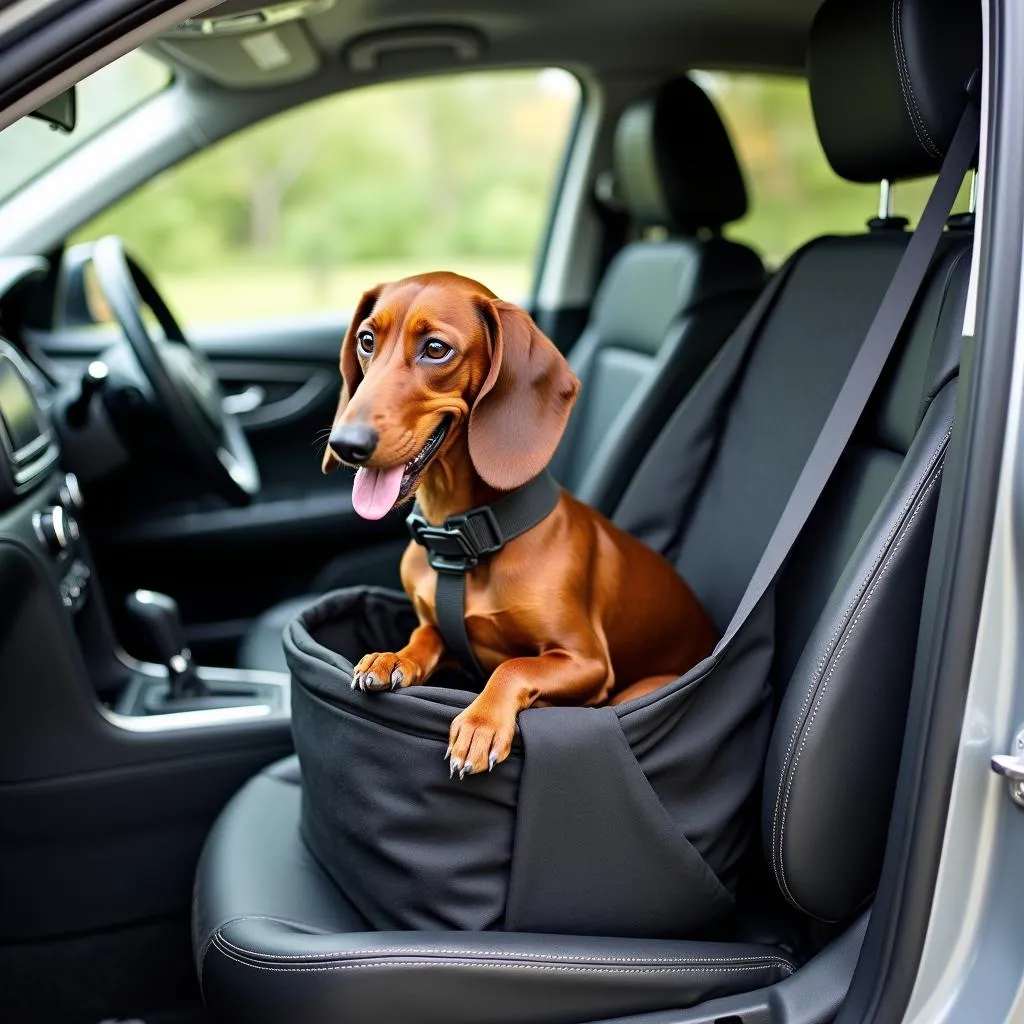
(183, 381)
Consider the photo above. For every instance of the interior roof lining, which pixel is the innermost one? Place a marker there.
(749, 35)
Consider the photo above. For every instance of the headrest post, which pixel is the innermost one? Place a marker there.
(973, 206)
(885, 200)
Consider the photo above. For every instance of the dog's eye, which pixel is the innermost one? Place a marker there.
(365, 341)
(436, 350)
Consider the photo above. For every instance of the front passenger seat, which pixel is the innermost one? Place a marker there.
(277, 939)
(663, 308)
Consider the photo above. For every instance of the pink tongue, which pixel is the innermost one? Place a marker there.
(375, 491)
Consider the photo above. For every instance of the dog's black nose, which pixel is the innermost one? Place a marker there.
(354, 442)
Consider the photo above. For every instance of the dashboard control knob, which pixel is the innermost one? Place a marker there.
(71, 493)
(55, 528)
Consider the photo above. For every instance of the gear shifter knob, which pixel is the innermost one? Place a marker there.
(159, 614)
(93, 381)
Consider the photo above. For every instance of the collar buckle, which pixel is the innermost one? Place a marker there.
(458, 544)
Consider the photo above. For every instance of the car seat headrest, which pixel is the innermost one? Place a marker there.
(888, 82)
(674, 163)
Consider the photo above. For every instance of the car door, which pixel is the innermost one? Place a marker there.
(261, 244)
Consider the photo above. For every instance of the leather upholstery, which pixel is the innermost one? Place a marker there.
(834, 754)
(275, 941)
(674, 164)
(911, 61)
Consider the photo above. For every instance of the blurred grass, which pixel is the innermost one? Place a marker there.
(249, 292)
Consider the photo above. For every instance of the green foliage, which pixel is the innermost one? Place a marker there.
(434, 169)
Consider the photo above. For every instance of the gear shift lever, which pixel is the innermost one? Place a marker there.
(185, 691)
(159, 614)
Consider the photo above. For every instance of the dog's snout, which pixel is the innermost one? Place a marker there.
(353, 443)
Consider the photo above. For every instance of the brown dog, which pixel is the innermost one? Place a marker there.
(457, 397)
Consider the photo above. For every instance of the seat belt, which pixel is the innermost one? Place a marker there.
(458, 544)
(866, 369)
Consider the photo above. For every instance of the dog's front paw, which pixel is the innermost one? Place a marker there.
(384, 672)
(480, 738)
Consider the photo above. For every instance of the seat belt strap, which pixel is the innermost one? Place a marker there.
(459, 543)
(866, 369)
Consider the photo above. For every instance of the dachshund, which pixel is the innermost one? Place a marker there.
(456, 397)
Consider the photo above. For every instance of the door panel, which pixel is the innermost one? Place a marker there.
(309, 338)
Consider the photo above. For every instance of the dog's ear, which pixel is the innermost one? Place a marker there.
(351, 372)
(522, 407)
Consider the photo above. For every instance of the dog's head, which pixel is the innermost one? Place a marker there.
(433, 359)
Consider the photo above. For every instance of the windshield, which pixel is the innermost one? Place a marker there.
(29, 147)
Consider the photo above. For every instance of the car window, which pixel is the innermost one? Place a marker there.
(306, 210)
(794, 193)
(29, 146)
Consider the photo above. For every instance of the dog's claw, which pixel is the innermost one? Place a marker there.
(355, 680)
(448, 752)
(491, 762)
(467, 769)
(454, 765)
(396, 679)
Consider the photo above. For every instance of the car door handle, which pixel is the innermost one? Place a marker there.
(243, 402)
(1011, 767)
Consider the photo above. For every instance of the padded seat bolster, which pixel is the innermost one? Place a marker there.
(276, 940)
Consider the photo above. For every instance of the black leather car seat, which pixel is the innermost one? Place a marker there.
(663, 309)
(276, 941)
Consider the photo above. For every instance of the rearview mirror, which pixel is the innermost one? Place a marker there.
(60, 112)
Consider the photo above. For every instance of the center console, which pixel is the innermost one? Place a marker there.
(174, 694)
(111, 769)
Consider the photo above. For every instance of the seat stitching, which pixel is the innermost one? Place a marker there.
(907, 86)
(791, 769)
(288, 969)
(829, 648)
(434, 951)
(831, 672)
(250, 917)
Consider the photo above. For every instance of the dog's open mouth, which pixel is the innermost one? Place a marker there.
(415, 466)
(375, 492)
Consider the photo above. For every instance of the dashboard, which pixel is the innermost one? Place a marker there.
(38, 503)
(29, 453)
(27, 440)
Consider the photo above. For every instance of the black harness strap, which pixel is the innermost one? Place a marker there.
(458, 544)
